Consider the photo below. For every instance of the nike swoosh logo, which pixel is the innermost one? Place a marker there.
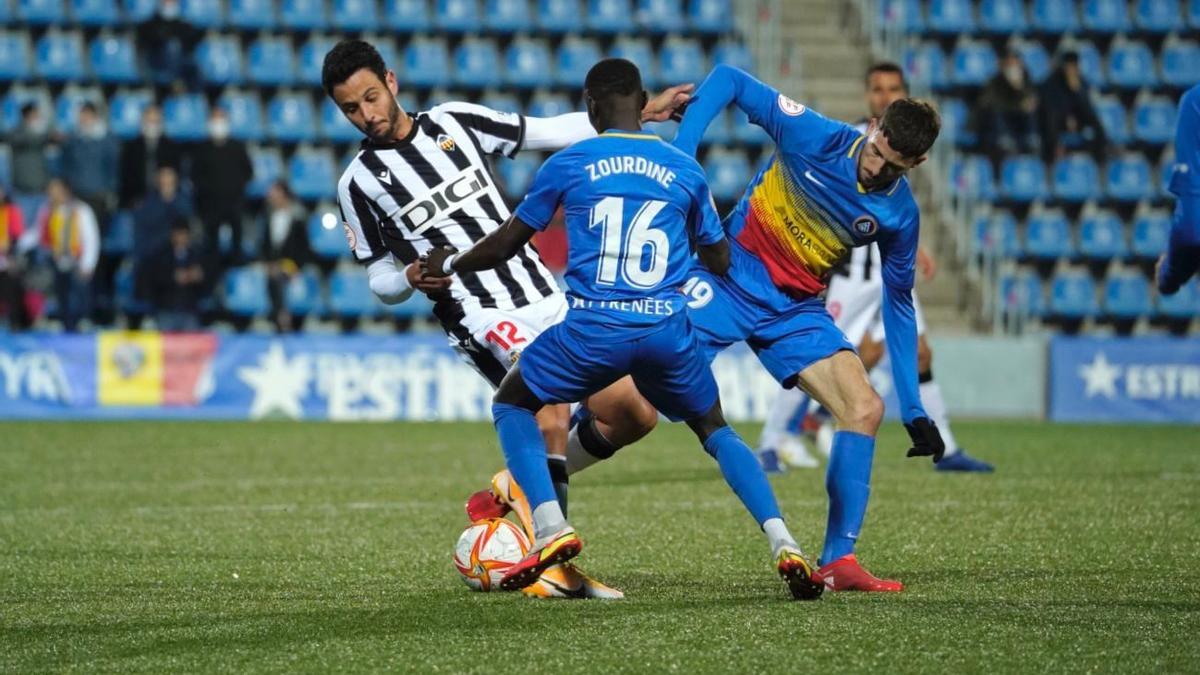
(808, 175)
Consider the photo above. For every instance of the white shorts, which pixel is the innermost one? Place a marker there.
(856, 307)
(491, 340)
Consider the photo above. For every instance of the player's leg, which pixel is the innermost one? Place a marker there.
(778, 446)
(612, 418)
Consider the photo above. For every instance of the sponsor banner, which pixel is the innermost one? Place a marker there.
(1146, 379)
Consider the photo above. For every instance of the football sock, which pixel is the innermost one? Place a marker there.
(935, 405)
(525, 453)
(581, 413)
(778, 535)
(558, 475)
(775, 428)
(586, 446)
(848, 482)
(743, 473)
(548, 520)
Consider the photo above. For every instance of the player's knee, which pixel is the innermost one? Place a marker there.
(708, 423)
(865, 413)
(924, 356)
(553, 422)
(639, 419)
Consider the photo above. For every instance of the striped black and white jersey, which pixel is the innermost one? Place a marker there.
(436, 188)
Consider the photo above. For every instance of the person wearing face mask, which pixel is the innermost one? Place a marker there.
(221, 170)
(142, 157)
(30, 167)
(1004, 112)
(167, 41)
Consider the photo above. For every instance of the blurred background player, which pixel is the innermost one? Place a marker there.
(1182, 258)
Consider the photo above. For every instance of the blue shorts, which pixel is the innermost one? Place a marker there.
(786, 340)
(569, 362)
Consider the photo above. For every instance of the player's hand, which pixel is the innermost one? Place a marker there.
(664, 106)
(428, 285)
(927, 441)
(432, 263)
(926, 264)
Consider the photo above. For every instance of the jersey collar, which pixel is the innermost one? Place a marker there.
(857, 147)
(368, 144)
(643, 135)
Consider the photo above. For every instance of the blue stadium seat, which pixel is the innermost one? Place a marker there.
(1112, 116)
(728, 174)
(1002, 16)
(1048, 236)
(950, 17)
(500, 101)
(1102, 236)
(972, 177)
(733, 54)
(1184, 304)
(203, 13)
(719, 131)
(1036, 60)
(417, 306)
(575, 58)
(974, 63)
(681, 60)
(1073, 295)
(549, 105)
(302, 295)
(269, 62)
(475, 62)
(1126, 296)
(60, 56)
(302, 15)
(609, 16)
(326, 235)
(18, 96)
(1166, 169)
(246, 291)
(118, 240)
(114, 60)
(660, 16)
(997, 235)
(66, 108)
(640, 52)
(268, 167)
(1106, 16)
(14, 56)
(95, 13)
(1021, 294)
(1181, 64)
(1154, 121)
(1023, 178)
(293, 119)
(426, 63)
(1054, 16)
(355, 15)
(527, 64)
(1091, 64)
(219, 59)
(137, 11)
(1193, 13)
(185, 117)
(1076, 178)
(252, 14)
(245, 115)
(710, 16)
(350, 295)
(312, 174)
(123, 286)
(743, 131)
(334, 125)
(955, 122)
(407, 16)
(508, 16)
(903, 14)
(456, 16)
(1131, 65)
(312, 57)
(1151, 231)
(41, 12)
(1157, 16)
(925, 65)
(518, 172)
(1128, 179)
(387, 50)
(125, 112)
(558, 16)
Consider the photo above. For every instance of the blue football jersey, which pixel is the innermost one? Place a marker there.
(633, 205)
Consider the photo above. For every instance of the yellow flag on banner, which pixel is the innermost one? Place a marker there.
(129, 368)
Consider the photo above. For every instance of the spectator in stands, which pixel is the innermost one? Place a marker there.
(221, 170)
(89, 163)
(178, 280)
(69, 238)
(167, 42)
(151, 226)
(141, 158)
(29, 141)
(1065, 113)
(12, 292)
(1004, 112)
(285, 248)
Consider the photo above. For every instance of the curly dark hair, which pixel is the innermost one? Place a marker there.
(613, 77)
(347, 58)
(911, 126)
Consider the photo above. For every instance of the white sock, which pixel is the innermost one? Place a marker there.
(778, 535)
(548, 521)
(935, 405)
(783, 408)
(578, 458)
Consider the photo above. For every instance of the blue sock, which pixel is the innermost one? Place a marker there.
(581, 413)
(848, 481)
(743, 473)
(524, 452)
(796, 422)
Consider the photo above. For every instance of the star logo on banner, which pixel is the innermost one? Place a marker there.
(1100, 377)
(279, 383)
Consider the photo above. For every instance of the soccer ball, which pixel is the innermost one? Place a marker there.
(487, 549)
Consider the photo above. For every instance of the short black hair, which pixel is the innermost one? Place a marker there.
(88, 106)
(910, 126)
(613, 77)
(886, 67)
(347, 58)
(28, 108)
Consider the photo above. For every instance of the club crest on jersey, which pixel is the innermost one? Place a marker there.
(866, 226)
(445, 142)
(790, 107)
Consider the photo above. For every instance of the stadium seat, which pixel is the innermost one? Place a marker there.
(500, 101)
(507, 16)
(219, 60)
(1166, 169)
(1054, 16)
(955, 122)
(903, 14)
(268, 167)
(719, 131)
(925, 65)
(1151, 231)
(972, 177)
(350, 295)
(1076, 178)
(269, 62)
(245, 115)
(312, 175)
(732, 53)
(456, 16)
(41, 12)
(1131, 65)
(728, 173)
(18, 96)
(558, 16)
(1128, 179)
(185, 117)
(1023, 179)
(205, 14)
(475, 62)
(417, 306)
(1112, 116)
(549, 105)
(681, 60)
(1181, 64)
(518, 172)
(302, 295)
(311, 58)
(640, 52)
(1126, 296)
(996, 235)
(1193, 13)
(326, 236)
(973, 64)
(137, 11)
(14, 56)
(302, 15)
(660, 16)
(66, 108)
(1048, 236)
(114, 60)
(293, 119)
(125, 112)
(575, 57)
(1102, 237)
(334, 125)
(609, 16)
(118, 239)
(1035, 58)
(60, 57)
(386, 47)
(1154, 121)
(1106, 16)
(407, 16)
(710, 16)
(94, 13)
(1002, 17)
(1021, 295)
(123, 291)
(527, 64)
(1183, 305)
(427, 61)
(355, 15)
(1157, 16)
(246, 291)
(1091, 64)
(950, 17)
(1073, 295)
(252, 15)
(743, 131)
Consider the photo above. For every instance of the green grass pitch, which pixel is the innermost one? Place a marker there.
(281, 547)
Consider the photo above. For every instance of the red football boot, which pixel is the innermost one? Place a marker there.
(483, 505)
(845, 574)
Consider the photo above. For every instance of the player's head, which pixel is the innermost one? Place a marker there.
(613, 93)
(897, 142)
(885, 83)
(359, 82)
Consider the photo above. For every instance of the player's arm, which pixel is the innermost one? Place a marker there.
(1182, 258)
(705, 228)
(560, 131)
